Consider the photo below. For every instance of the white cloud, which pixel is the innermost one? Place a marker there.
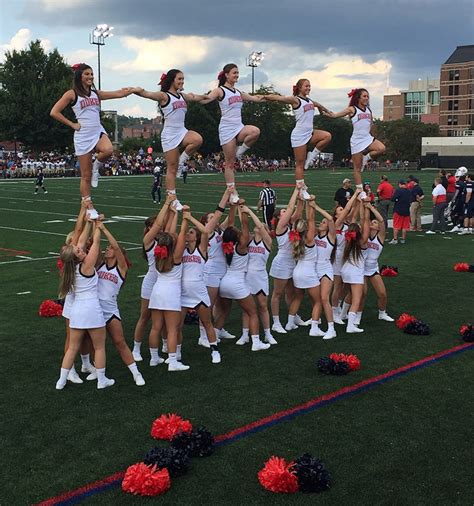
(153, 55)
(81, 56)
(20, 41)
(61, 5)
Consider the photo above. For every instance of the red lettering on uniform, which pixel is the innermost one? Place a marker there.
(321, 244)
(308, 107)
(257, 249)
(179, 104)
(373, 245)
(86, 102)
(108, 276)
(234, 100)
(192, 259)
(364, 115)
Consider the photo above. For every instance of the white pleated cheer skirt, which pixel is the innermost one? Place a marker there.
(358, 144)
(258, 282)
(304, 275)
(68, 305)
(86, 314)
(300, 137)
(166, 295)
(194, 293)
(352, 274)
(282, 267)
(227, 132)
(109, 309)
(171, 138)
(86, 139)
(234, 286)
(147, 284)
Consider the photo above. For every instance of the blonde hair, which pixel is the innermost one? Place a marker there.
(165, 264)
(69, 237)
(68, 274)
(352, 248)
(300, 226)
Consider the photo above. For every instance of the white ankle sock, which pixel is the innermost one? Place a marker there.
(267, 332)
(276, 320)
(245, 332)
(100, 375)
(291, 318)
(86, 360)
(154, 353)
(345, 309)
(136, 346)
(134, 369)
(330, 325)
(172, 357)
(202, 332)
(178, 352)
(255, 339)
(63, 375)
(183, 158)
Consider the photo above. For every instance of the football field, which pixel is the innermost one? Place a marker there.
(397, 431)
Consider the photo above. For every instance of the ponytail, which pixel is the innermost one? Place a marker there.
(68, 273)
(221, 77)
(298, 238)
(167, 79)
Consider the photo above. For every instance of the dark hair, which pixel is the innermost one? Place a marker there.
(148, 224)
(297, 86)
(227, 68)
(165, 264)
(352, 249)
(77, 85)
(168, 79)
(354, 101)
(231, 234)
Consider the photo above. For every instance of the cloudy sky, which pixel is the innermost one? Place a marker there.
(337, 44)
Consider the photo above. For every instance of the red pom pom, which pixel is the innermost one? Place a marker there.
(463, 329)
(294, 236)
(352, 360)
(404, 320)
(49, 308)
(167, 426)
(141, 479)
(278, 476)
(461, 267)
(388, 272)
(60, 265)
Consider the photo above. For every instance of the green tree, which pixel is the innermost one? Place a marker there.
(341, 131)
(31, 81)
(204, 119)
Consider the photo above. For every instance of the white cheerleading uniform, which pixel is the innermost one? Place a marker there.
(233, 284)
(152, 274)
(304, 274)
(323, 263)
(283, 263)
(166, 294)
(231, 115)
(109, 285)
(340, 245)
(86, 312)
(67, 306)
(257, 276)
(216, 266)
(87, 112)
(374, 249)
(304, 116)
(174, 113)
(361, 124)
(352, 271)
(193, 288)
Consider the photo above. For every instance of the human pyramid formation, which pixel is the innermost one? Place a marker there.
(211, 262)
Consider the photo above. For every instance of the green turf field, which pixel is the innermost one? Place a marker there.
(405, 442)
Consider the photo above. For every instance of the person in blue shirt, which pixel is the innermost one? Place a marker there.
(401, 212)
(417, 197)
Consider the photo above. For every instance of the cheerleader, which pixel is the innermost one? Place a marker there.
(112, 273)
(364, 146)
(89, 134)
(231, 128)
(304, 274)
(371, 268)
(165, 300)
(80, 277)
(234, 285)
(326, 249)
(303, 109)
(352, 270)
(283, 263)
(259, 248)
(172, 103)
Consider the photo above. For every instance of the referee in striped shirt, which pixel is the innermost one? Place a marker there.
(267, 201)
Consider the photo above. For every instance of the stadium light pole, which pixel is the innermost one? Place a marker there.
(254, 60)
(97, 37)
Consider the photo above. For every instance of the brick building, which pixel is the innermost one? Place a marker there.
(143, 130)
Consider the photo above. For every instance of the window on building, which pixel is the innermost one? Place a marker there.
(453, 105)
(450, 120)
(390, 102)
(433, 97)
(453, 89)
(454, 75)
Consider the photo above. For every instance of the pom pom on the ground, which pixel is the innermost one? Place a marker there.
(327, 365)
(167, 426)
(389, 271)
(49, 308)
(141, 479)
(312, 474)
(404, 319)
(176, 461)
(278, 476)
(198, 443)
(352, 360)
(467, 333)
(417, 328)
(461, 267)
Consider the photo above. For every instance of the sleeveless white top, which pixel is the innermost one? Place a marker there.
(324, 247)
(216, 263)
(239, 263)
(304, 114)
(231, 107)
(361, 124)
(374, 249)
(193, 266)
(174, 112)
(87, 110)
(85, 287)
(110, 282)
(258, 256)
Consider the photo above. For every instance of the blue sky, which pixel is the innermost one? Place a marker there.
(337, 44)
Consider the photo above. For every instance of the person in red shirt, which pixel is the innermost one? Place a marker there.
(451, 189)
(385, 192)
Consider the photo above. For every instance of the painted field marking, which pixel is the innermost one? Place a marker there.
(21, 256)
(23, 293)
(14, 252)
(54, 221)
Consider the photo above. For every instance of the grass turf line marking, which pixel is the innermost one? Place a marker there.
(75, 496)
(23, 293)
(14, 252)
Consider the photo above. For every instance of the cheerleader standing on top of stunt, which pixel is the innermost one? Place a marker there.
(80, 277)
(172, 103)
(260, 247)
(364, 146)
(303, 109)
(231, 128)
(89, 134)
(112, 273)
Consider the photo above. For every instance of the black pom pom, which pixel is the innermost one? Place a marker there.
(468, 334)
(341, 368)
(176, 461)
(471, 268)
(417, 328)
(327, 365)
(312, 474)
(198, 443)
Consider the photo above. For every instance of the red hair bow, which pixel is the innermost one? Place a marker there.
(228, 247)
(352, 92)
(163, 77)
(161, 252)
(294, 236)
(76, 66)
(220, 74)
(350, 236)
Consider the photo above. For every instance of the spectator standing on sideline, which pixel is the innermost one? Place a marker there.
(401, 212)
(40, 182)
(385, 193)
(267, 201)
(156, 188)
(444, 179)
(451, 189)
(417, 197)
(184, 172)
(344, 194)
(439, 205)
(468, 206)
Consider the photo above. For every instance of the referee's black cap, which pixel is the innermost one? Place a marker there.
(266, 181)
